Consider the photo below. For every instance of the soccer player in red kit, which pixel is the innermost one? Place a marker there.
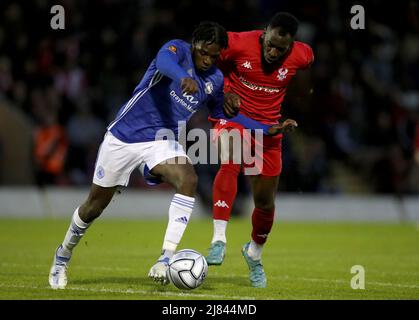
(258, 66)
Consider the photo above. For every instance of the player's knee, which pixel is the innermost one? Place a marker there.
(265, 203)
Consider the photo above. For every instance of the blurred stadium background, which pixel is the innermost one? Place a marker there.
(355, 154)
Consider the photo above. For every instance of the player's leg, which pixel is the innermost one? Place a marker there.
(181, 175)
(264, 190)
(114, 164)
(224, 194)
(98, 199)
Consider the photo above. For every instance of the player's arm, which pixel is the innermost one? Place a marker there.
(219, 104)
(250, 123)
(223, 106)
(216, 105)
(168, 63)
(285, 126)
(231, 104)
(302, 88)
(219, 110)
(308, 56)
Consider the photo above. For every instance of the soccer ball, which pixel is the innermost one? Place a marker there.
(187, 269)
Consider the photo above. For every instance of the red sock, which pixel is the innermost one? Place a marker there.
(224, 191)
(262, 222)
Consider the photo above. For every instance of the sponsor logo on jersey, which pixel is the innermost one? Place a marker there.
(189, 106)
(209, 88)
(172, 48)
(247, 65)
(255, 87)
(282, 74)
(221, 204)
(190, 98)
(223, 122)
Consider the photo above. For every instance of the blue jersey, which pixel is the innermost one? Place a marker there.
(157, 102)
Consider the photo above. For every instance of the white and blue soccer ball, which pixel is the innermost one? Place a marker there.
(187, 269)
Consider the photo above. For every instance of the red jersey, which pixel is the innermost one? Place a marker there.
(261, 93)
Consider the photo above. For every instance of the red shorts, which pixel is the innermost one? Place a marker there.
(267, 154)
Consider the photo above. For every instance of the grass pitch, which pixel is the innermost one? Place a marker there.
(302, 261)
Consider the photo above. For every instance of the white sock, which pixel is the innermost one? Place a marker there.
(74, 233)
(179, 213)
(255, 250)
(220, 227)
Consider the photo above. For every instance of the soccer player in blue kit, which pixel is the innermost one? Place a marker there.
(180, 80)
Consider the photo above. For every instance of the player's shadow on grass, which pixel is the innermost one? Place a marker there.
(211, 283)
(133, 281)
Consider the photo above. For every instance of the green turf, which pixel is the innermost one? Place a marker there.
(302, 261)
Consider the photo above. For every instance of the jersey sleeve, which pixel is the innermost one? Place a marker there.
(216, 108)
(307, 56)
(168, 60)
(250, 123)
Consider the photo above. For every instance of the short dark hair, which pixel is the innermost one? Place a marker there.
(210, 32)
(286, 21)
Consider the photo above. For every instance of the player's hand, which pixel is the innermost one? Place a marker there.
(286, 126)
(189, 85)
(231, 104)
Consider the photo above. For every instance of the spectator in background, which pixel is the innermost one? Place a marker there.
(50, 149)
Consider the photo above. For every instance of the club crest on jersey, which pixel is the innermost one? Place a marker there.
(100, 173)
(209, 88)
(282, 74)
